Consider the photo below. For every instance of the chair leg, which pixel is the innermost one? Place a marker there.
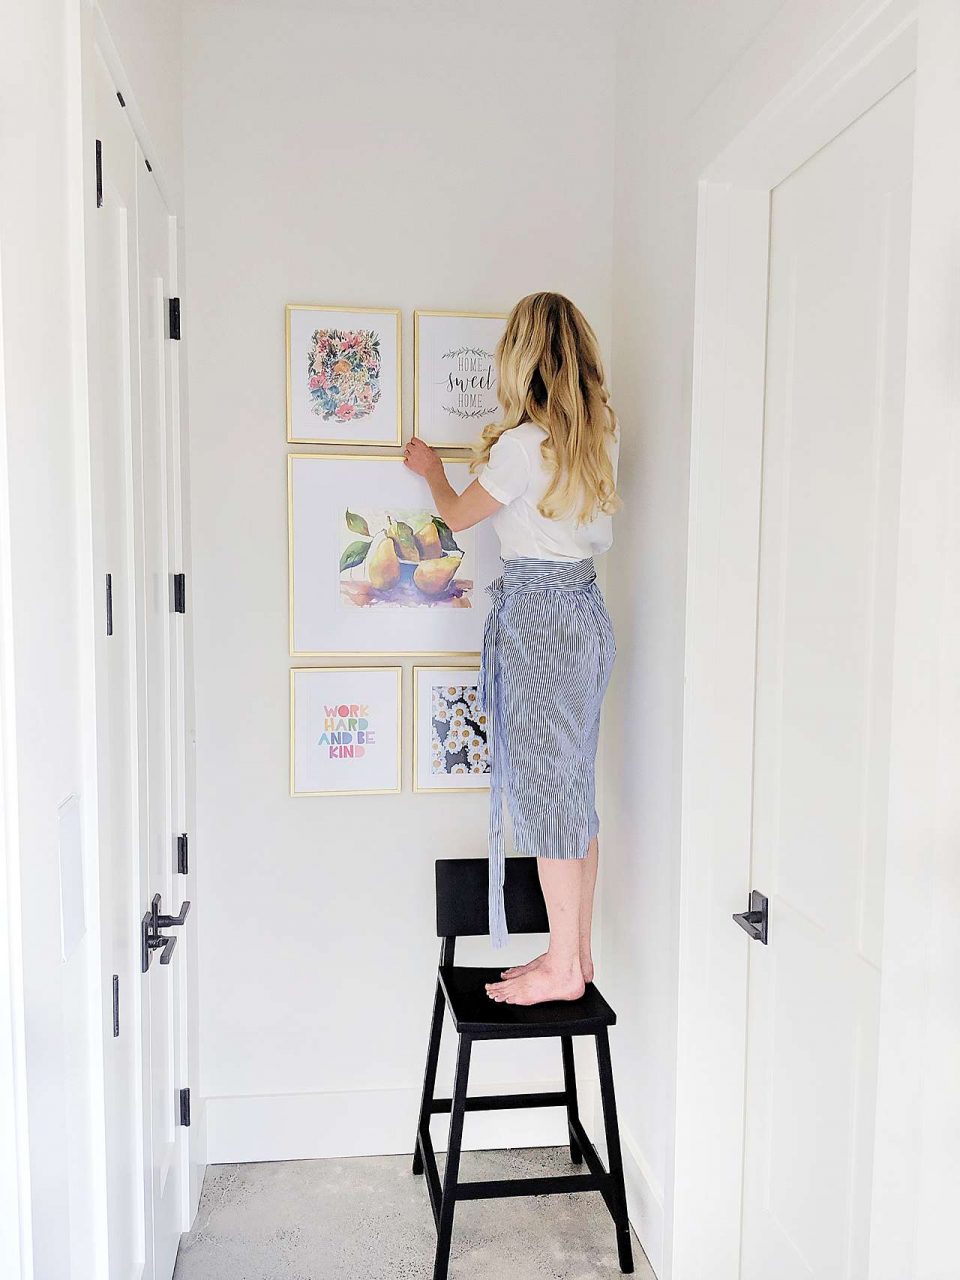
(570, 1088)
(429, 1077)
(614, 1157)
(451, 1169)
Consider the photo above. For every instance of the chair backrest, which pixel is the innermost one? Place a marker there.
(462, 897)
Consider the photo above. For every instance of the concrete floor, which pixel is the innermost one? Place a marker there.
(368, 1218)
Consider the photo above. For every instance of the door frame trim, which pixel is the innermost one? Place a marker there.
(16, 1219)
(866, 59)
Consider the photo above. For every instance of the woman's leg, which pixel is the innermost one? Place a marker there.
(558, 975)
(587, 888)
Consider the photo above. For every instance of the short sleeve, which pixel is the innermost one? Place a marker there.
(507, 475)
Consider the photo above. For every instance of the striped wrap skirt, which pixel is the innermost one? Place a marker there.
(548, 650)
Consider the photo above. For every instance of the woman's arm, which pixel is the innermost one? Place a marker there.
(460, 511)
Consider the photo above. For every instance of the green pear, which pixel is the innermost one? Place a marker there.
(403, 540)
(433, 577)
(427, 539)
(383, 570)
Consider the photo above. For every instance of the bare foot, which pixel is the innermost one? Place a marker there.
(516, 971)
(539, 985)
(586, 967)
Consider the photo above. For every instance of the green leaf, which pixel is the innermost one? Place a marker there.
(353, 555)
(447, 540)
(357, 524)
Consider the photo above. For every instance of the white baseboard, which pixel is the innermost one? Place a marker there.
(310, 1126)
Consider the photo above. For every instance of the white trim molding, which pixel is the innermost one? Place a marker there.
(16, 1224)
(917, 1157)
(371, 1122)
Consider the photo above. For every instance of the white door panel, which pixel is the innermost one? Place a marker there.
(114, 337)
(839, 239)
(140, 696)
(163, 983)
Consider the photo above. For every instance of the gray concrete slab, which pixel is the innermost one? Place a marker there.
(368, 1218)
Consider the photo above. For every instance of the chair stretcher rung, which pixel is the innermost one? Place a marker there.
(592, 1157)
(431, 1174)
(503, 1102)
(562, 1185)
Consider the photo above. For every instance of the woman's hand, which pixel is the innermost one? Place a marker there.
(419, 457)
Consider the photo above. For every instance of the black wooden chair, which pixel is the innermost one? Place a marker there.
(462, 912)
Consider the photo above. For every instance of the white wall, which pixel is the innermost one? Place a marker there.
(429, 155)
(47, 605)
(689, 77)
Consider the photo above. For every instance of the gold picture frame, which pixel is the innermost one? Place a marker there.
(416, 726)
(417, 344)
(487, 557)
(349, 791)
(344, 440)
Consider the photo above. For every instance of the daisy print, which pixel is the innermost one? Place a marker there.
(458, 730)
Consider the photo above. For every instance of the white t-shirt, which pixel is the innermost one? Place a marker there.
(517, 476)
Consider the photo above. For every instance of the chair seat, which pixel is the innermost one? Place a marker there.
(473, 1011)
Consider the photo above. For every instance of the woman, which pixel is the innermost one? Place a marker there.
(547, 479)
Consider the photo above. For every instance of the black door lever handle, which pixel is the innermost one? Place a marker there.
(755, 921)
(164, 943)
(151, 939)
(170, 922)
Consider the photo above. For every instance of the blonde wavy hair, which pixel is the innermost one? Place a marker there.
(550, 373)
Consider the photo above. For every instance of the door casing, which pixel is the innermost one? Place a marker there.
(871, 55)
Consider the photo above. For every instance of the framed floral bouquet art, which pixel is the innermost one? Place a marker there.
(343, 375)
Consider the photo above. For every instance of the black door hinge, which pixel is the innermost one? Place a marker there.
(116, 1005)
(175, 319)
(179, 593)
(109, 604)
(183, 855)
(99, 174)
(148, 164)
(185, 1108)
(120, 98)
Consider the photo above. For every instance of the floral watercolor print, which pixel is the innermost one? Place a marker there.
(458, 732)
(406, 559)
(343, 373)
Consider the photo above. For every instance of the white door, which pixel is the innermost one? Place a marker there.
(164, 987)
(139, 698)
(839, 237)
(113, 306)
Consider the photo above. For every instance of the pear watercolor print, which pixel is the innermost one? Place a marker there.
(404, 559)
(343, 375)
(455, 375)
(344, 730)
(374, 569)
